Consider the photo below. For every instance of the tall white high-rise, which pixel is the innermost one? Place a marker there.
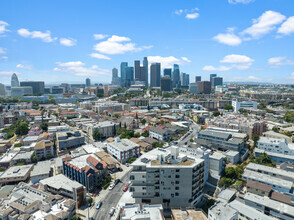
(14, 80)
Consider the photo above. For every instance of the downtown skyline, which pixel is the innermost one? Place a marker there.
(241, 40)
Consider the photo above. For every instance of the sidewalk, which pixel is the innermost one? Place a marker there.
(103, 193)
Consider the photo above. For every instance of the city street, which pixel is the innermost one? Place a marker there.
(111, 199)
(194, 129)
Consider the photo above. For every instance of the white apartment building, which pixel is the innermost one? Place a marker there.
(244, 104)
(276, 145)
(54, 129)
(123, 149)
(168, 177)
(101, 106)
(106, 128)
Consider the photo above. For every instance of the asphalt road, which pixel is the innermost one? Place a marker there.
(111, 200)
(194, 134)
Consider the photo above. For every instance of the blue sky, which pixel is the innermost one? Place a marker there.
(68, 41)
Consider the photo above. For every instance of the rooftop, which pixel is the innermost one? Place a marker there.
(258, 185)
(17, 171)
(61, 182)
(123, 144)
(42, 167)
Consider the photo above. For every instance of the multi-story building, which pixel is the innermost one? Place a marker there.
(168, 177)
(88, 82)
(41, 170)
(123, 149)
(14, 80)
(197, 79)
(16, 174)
(276, 145)
(167, 72)
(204, 87)
(158, 133)
(216, 81)
(211, 76)
(238, 122)
(105, 128)
(64, 186)
(21, 91)
(68, 140)
(176, 76)
(129, 76)
(269, 206)
(100, 106)
(2, 90)
(193, 88)
(38, 86)
(115, 78)
(27, 202)
(54, 129)
(221, 140)
(86, 169)
(155, 75)
(44, 149)
(166, 84)
(243, 104)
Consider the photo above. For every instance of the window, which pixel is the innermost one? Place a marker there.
(177, 176)
(177, 188)
(177, 194)
(177, 170)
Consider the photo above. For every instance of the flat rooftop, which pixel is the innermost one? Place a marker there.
(17, 171)
(61, 182)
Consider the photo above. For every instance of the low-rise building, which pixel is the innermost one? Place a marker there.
(101, 106)
(54, 129)
(68, 140)
(44, 149)
(135, 212)
(16, 174)
(276, 145)
(221, 211)
(41, 170)
(158, 133)
(64, 186)
(237, 105)
(109, 160)
(105, 128)
(258, 188)
(123, 149)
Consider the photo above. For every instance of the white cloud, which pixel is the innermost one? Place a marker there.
(192, 15)
(279, 61)
(22, 66)
(99, 56)
(78, 68)
(4, 58)
(287, 27)
(3, 26)
(167, 62)
(5, 72)
(292, 76)
(235, 58)
(228, 38)
(189, 13)
(44, 36)
(100, 36)
(2, 50)
(240, 1)
(69, 42)
(118, 45)
(249, 78)
(235, 61)
(186, 59)
(264, 24)
(212, 68)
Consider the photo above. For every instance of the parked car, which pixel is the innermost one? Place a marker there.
(99, 204)
(111, 186)
(126, 188)
(127, 164)
(111, 212)
(116, 181)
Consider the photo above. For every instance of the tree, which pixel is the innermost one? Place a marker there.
(289, 116)
(137, 134)
(22, 128)
(275, 129)
(90, 201)
(34, 158)
(143, 121)
(216, 113)
(44, 126)
(225, 182)
(145, 133)
(255, 138)
(228, 107)
(97, 135)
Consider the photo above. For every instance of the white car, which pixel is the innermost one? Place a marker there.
(111, 212)
(111, 186)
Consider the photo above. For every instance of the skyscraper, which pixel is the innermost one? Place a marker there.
(38, 86)
(193, 88)
(211, 76)
(167, 72)
(155, 75)
(14, 80)
(185, 79)
(123, 67)
(176, 76)
(216, 81)
(88, 82)
(204, 87)
(2, 90)
(197, 78)
(145, 64)
(137, 70)
(115, 79)
(165, 83)
(129, 76)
